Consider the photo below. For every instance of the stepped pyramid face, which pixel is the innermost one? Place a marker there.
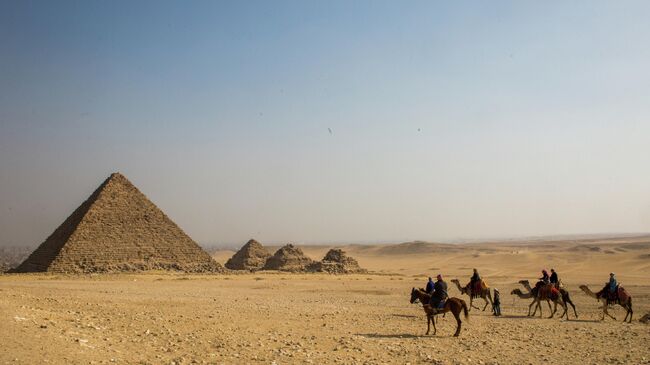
(336, 261)
(118, 229)
(288, 258)
(252, 256)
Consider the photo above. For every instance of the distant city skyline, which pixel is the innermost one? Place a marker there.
(330, 122)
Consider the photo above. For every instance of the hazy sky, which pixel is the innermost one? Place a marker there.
(448, 119)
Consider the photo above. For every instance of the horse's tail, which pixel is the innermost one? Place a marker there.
(465, 309)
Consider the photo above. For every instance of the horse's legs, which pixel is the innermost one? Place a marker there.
(433, 320)
(429, 323)
(456, 313)
(549, 304)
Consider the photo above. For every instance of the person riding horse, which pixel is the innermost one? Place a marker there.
(430, 284)
(439, 293)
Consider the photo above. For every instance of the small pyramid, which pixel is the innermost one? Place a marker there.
(118, 229)
(252, 256)
(336, 261)
(288, 258)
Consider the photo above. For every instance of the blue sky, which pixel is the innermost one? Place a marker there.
(449, 119)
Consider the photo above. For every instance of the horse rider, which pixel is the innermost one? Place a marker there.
(554, 279)
(439, 292)
(430, 284)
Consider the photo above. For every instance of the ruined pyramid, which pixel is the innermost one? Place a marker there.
(336, 261)
(118, 229)
(252, 256)
(288, 258)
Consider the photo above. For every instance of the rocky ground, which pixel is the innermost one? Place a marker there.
(285, 318)
(289, 318)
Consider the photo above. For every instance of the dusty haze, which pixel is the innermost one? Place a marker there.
(433, 121)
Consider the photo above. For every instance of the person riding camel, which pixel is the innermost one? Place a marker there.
(544, 280)
(554, 279)
(429, 288)
(610, 289)
(475, 282)
(439, 293)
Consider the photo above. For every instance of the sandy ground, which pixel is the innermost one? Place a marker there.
(315, 318)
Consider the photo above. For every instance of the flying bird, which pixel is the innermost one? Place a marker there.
(330, 130)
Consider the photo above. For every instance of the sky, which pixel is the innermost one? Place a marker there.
(330, 121)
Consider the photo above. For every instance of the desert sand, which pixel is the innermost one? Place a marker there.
(285, 318)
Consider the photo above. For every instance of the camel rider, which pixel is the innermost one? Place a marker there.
(429, 288)
(611, 285)
(545, 278)
(554, 279)
(439, 292)
(475, 282)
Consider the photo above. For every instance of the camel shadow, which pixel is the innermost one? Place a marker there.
(406, 316)
(395, 335)
(585, 320)
(514, 316)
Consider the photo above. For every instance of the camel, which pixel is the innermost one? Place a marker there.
(537, 298)
(625, 303)
(529, 295)
(565, 296)
(485, 294)
(453, 305)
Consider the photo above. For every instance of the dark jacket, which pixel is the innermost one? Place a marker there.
(545, 279)
(476, 277)
(430, 285)
(439, 290)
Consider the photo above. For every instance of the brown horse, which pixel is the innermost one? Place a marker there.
(453, 305)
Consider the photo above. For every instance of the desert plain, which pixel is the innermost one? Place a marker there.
(315, 318)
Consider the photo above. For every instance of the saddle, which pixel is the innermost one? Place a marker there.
(477, 288)
(622, 294)
(549, 291)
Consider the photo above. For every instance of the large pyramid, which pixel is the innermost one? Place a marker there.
(118, 229)
(252, 256)
(288, 258)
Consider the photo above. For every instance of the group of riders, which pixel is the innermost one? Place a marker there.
(438, 288)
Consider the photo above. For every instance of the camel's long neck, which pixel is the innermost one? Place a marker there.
(524, 295)
(589, 292)
(461, 289)
(527, 286)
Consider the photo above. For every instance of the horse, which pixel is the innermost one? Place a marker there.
(453, 305)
